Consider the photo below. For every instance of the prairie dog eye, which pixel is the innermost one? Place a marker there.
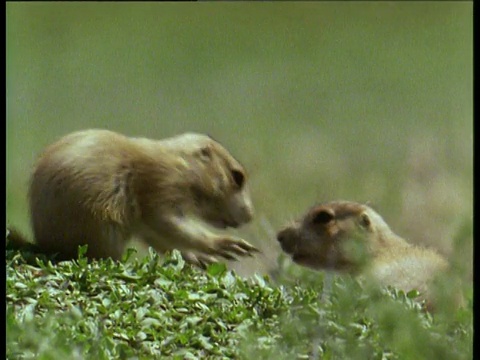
(323, 217)
(238, 178)
(365, 220)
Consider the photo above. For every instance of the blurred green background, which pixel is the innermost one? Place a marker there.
(320, 101)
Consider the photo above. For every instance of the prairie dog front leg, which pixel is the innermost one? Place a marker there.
(162, 245)
(186, 233)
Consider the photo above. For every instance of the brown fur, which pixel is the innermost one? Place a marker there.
(101, 188)
(351, 237)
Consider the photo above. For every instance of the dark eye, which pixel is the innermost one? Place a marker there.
(323, 217)
(238, 177)
(365, 220)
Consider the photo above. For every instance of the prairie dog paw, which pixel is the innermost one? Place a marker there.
(200, 260)
(228, 247)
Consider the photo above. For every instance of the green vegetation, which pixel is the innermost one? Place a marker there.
(144, 309)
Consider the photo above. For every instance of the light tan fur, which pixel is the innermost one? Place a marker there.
(101, 188)
(352, 237)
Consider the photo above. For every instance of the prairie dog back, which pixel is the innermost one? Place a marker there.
(100, 188)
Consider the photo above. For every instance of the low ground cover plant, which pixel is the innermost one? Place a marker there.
(149, 308)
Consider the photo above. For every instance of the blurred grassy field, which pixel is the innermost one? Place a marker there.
(320, 101)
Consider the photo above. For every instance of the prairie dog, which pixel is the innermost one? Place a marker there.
(101, 188)
(321, 240)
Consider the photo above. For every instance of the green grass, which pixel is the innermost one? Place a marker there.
(144, 309)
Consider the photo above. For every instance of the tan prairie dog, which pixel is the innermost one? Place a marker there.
(101, 188)
(321, 240)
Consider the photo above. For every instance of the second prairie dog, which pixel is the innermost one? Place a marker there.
(321, 238)
(101, 188)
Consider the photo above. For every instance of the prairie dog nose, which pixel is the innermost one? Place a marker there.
(281, 236)
(287, 238)
(241, 208)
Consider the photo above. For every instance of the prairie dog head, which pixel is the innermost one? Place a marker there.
(218, 181)
(335, 235)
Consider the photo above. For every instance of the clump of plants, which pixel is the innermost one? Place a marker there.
(148, 307)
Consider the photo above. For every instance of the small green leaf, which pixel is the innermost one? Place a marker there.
(412, 294)
(216, 269)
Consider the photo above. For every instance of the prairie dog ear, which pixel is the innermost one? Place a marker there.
(205, 152)
(365, 221)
